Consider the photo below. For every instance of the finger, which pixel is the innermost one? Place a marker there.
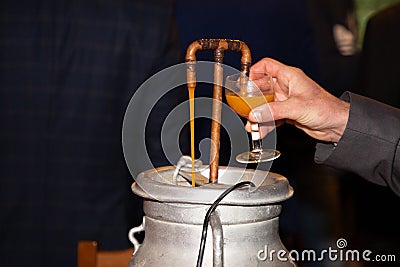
(282, 110)
(261, 114)
(266, 128)
(257, 75)
(247, 127)
(273, 111)
(267, 65)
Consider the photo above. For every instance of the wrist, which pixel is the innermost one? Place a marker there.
(342, 116)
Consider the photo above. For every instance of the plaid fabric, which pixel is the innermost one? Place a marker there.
(67, 72)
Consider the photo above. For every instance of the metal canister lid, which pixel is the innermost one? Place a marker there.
(158, 184)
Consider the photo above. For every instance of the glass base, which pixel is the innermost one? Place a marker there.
(259, 156)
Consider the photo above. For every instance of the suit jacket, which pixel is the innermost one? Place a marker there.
(67, 72)
(370, 144)
(378, 76)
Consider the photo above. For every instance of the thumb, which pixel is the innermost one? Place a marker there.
(272, 111)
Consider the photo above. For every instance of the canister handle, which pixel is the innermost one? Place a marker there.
(218, 239)
(131, 235)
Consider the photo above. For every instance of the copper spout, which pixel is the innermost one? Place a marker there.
(219, 46)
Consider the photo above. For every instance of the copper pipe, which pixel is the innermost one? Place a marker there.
(219, 46)
(216, 115)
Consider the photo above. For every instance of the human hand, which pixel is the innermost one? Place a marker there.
(345, 40)
(299, 101)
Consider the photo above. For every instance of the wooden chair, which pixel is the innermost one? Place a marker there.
(89, 255)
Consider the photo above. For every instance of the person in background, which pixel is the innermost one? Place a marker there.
(67, 72)
(381, 48)
(335, 26)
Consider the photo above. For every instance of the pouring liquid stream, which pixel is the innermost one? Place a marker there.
(191, 114)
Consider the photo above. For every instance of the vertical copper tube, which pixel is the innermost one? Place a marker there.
(191, 83)
(216, 114)
(219, 46)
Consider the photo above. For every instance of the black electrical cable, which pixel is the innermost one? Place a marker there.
(207, 218)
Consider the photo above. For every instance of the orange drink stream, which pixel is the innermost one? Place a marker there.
(191, 114)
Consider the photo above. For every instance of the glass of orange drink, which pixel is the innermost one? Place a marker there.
(242, 95)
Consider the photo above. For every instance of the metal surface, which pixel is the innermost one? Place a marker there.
(218, 240)
(158, 184)
(244, 223)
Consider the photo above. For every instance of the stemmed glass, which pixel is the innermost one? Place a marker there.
(243, 95)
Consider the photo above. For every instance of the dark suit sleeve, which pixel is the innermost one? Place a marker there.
(370, 145)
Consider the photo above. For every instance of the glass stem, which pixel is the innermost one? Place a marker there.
(256, 138)
(257, 146)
